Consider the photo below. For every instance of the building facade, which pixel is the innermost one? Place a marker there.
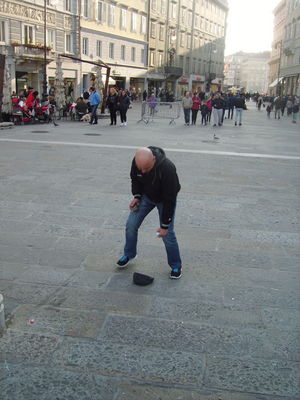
(278, 35)
(148, 44)
(248, 71)
(290, 55)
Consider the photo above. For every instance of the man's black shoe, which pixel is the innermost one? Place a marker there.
(175, 273)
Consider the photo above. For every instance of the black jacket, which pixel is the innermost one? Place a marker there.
(218, 103)
(239, 102)
(161, 184)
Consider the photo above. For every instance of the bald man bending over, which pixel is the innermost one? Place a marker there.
(154, 183)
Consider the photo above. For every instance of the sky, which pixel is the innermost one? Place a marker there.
(249, 25)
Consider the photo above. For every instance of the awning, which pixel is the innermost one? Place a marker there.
(275, 83)
(111, 81)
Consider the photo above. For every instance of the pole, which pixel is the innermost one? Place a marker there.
(45, 51)
(2, 73)
(278, 73)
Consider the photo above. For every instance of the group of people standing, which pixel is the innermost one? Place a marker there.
(281, 103)
(115, 101)
(214, 105)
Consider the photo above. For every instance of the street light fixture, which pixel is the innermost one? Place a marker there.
(45, 52)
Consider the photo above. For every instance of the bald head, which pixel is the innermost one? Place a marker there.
(144, 159)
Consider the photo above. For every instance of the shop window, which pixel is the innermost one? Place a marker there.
(111, 50)
(133, 54)
(28, 34)
(101, 9)
(99, 48)
(85, 46)
(123, 52)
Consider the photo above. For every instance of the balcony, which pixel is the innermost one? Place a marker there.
(175, 72)
(34, 52)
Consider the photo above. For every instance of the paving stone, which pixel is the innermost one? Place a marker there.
(27, 348)
(57, 321)
(163, 287)
(279, 318)
(89, 279)
(91, 299)
(152, 364)
(44, 383)
(258, 297)
(11, 271)
(202, 338)
(45, 275)
(254, 375)
(189, 310)
(131, 391)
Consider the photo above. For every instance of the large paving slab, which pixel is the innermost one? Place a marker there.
(77, 326)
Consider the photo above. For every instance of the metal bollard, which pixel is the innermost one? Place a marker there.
(2, 318)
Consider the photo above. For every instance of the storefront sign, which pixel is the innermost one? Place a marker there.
(183, 80)
(25, 12)
(198, 78)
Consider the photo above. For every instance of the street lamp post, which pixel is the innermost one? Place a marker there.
(278, 72)
(45, 52)
(209, 65)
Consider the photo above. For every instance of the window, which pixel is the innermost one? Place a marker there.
(187, 65)
(182, 36)
(190, 18)
(174, 10)
(132, 53)
(99, 48)
(69, 44)
(143, 24)
(85, 9)
(111, 15)
(163, 7)
(123, 19)
(133, 21)
(161, 32)
(51, 38)
(153, 5)
(68, 5)
(181, 58)
(143, 56)
(101, 11)
(153, 29)
(2, 31)
(28, 34)
(160, 59)
(188, 41)
(123, 52)
(85, 46)
(183, 14)
(152, 58)
(111, 50)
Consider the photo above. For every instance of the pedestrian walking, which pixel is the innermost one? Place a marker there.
(187, 105)
(289, 106)
(209, 106)
(195, 107)
(240, 105)
(111, 103)
(230, 106)
(217, 109)
(283, 105)
(123, 105)
(204, 113)
(295, 111)
(269, 109)
(277, 106)
(95, 100)
(152, 102)
(154, 183)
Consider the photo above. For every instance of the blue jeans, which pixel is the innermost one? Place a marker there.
(94, 117)
(187, 115)
(238, 114)
(135, 220)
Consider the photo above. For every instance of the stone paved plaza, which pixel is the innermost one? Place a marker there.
(79, 329)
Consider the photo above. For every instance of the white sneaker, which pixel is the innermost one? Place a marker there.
(121, 124)
(125, 123)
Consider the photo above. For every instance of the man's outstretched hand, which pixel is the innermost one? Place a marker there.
(161, 232)
(134, 204)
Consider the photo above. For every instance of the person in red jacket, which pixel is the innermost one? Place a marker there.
(31, 101)
(195, 107)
